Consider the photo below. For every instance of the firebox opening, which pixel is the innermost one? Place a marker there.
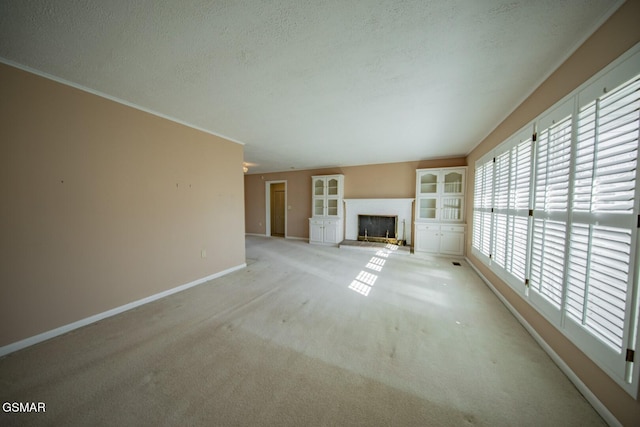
(378, 228)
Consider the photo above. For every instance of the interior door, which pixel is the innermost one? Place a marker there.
(277, 209)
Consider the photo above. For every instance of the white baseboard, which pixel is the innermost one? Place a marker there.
(92, 319)
(286, 237)
(609, 418)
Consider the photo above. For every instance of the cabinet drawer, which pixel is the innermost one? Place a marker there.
(316, 222)
(427, 227)
(452, 228)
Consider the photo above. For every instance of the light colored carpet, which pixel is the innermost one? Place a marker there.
(292, 340)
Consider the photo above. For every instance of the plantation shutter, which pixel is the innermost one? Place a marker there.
(551, 202)
(500, 205)
(512, 181)
(519, 194)
(483, 198)
(558, 211)
(476, 237)
(604, 219)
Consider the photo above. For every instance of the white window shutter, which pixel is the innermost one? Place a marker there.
(562, 210)
(602, 231)
(483, 199)
(550, 211)
(500, 205)
(519, 195)
(547, 263)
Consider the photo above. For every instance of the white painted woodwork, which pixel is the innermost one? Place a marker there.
(400, 207)
(326, 223)
(439, 211)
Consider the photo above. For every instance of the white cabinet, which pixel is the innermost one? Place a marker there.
(325, 231)
(440, 194)
(327, 194)
(439, 216)
(331, 233)
(427, 238)
(325, 225)
(316, 230)
(452, 239)
(440, 239)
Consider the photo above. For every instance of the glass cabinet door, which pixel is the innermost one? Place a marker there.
(332, 187)
(428, 183)
(453, 183)
(318, 207)
(319, 187)
(440, 195)
(428, 208)
(327, 192)
(451, 209)
(332, 207)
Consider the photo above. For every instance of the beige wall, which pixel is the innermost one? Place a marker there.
(617, 35)
(391, 180)
(103, 204)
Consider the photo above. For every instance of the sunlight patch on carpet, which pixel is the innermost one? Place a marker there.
(360, 288)
(365, 280)
(376, 263)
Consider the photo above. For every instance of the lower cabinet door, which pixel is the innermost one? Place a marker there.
(316, 231)
(427, 239)
(445, 239)
(326, 231)
(452, 243)
(330, 232)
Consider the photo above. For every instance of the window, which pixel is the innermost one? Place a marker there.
(482, 209)
(550, 209)
(518, 212)
(556, 215)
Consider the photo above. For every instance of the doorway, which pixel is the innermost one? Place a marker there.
(276, 208)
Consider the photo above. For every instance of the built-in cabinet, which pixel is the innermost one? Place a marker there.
(325, 225)
(439, 216)
(440, 239)
(326, 231)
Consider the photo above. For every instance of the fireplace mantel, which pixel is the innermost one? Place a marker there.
(402, 208)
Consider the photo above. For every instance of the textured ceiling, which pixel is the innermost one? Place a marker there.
(306, 84)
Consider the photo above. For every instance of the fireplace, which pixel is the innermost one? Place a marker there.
(378, 228)
(400, 209)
